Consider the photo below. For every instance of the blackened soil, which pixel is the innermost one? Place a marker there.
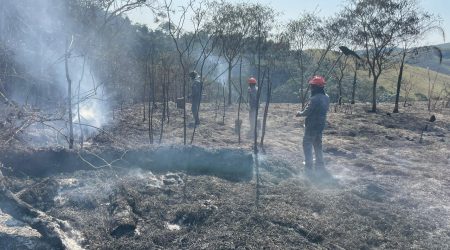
(384, 189)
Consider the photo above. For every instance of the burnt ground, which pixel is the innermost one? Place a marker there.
(385, 189)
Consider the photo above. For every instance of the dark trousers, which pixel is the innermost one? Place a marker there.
(195, 108)
(313, 139)
(252, 118)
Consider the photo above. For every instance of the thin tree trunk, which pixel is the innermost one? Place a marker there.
(302, 80)
(339, 85)
(167, 97)
(224, 104)
(78, 104)
(266, 108)
(163, 118)
(151, 101)
(217, 102)
(240, 101)
(354, 84)
(255, 138)
(342, 68)
(255, 141)
(69, 93)
(184, 107)
(146, 82)
(399, 82)
(143, 101)
(230, 66)
(374, 93)
(150, 121)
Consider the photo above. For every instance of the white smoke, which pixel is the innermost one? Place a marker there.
(37, 33)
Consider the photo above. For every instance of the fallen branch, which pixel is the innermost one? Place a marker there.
(58, 131)
(107, 164)
(7, 100)
(99, 129)
(55, 232)
(26, 124)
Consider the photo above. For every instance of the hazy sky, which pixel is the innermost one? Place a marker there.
(291, 9)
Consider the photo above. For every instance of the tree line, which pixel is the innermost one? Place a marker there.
(63, 53)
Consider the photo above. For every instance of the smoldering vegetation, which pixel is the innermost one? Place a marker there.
(46, 45)
(111, 62)
(129, 183)
(373, 197)
(231, 164)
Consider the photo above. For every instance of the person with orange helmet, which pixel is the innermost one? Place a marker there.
(315, 121)
(253, 103)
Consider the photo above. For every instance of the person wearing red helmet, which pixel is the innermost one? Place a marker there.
(315, 121)
(253, 103)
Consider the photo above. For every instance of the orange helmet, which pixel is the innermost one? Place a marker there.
(318, 81)
(251, 81)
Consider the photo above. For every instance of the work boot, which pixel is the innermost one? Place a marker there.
(320, 167)
(321, 172)
(308, 170)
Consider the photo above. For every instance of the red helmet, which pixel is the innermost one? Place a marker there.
(318, 81)
(251, 81)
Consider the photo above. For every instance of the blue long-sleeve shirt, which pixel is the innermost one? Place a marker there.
(252, 97)
(316, 111)
(196, 91)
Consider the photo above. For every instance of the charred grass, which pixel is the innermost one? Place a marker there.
(384, 189)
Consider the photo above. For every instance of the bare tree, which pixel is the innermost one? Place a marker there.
(356, 66)
(301, 36)
(183, 44)
(306, 33)
(166, 62)
(79, 101)
(377, 26)
(341, 73)
(115, 8)
(234, 25)
(420, 24)
(207, 39)
(406, 87)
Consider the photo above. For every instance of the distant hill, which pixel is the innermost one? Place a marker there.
(431, 60)
(418, 71)
(415, 75)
